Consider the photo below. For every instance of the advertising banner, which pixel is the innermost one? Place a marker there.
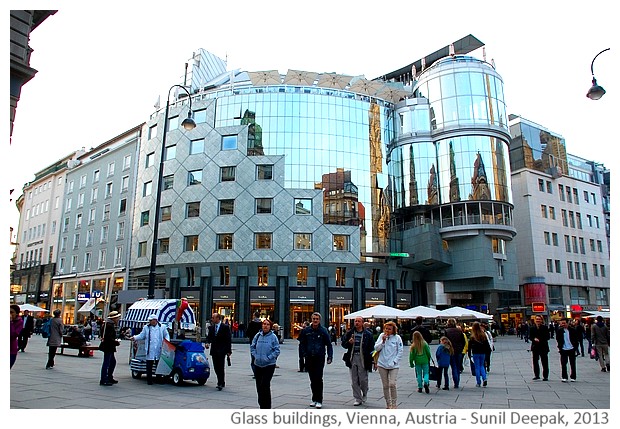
(166, 360)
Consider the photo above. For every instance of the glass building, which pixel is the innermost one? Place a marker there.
(295, 190)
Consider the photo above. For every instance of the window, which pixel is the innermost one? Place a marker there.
(341, 242)
(149, 159)
(102, 258)
(579, 224)
(87, 259)
(147, 189)
(592, 247)
(200, 116)
(593, 198)
(126, 162)
(96, 174)
(564, 218)
(80, 201)
(547, 238)
(561, 192)
(164, 246)
(224, 241)
(303, 241)
(194, 177)
(191, 276)
(193, 209)
(120, 230)
(61, 267)
(541, 185)
(595, 270)
(575, 196)
(549, 187)
(599, 245)
(74, 261)
(63, 244)
(571, 218)
(191, 243)
(374, 278)
(262, 240)
(498, 246)
(196, 146)
(575, 248)
(173, 123)
(567, 243)
(264, 172)
(82, 181)
(229, 142)
(108, 190)
(263, 205)
(122, 207)
(603, 271)
(70, 187)
(78, 220)
(89, 237)
(93, 195)
(106, 212)
(582, 246)
(543, 210)
(110, 169)
(104, 234)
(584, 267)
(152, 131)
(166, 213)
(558, 266)
(144, 218)
(341, 276)
(569, 267)
(589, 217)
(302, 275)
(577, 271)
(586, 196)
(118, 256)
(125, 184)
(170, 152)
(141, 249)
(569, 197)
(263, 276)
(303, 206)
(168, 182)
(224, 275)
(227, 174)
(549, 265)
(227, 207)
(76, 241)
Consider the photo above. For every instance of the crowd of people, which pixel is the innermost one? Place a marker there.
(366, 350)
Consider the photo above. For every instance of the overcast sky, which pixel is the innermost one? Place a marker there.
(100, 69)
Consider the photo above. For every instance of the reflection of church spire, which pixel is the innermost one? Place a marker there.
(455, 193)
(413, 184)
(433, 197)
(479, 181)
(499, 172)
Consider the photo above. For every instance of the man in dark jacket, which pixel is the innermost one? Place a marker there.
(581, 335)
(27, 330)
(600, 339)
(426, 334)
(568, 341)
(254, 328)
(108, 347)
(539, 334)
(314, 340)
(359, 344)
(456, 337)
(219, 340)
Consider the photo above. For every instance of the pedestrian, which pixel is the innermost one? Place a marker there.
(581, 335)
(302, 360)
(457, 339)
(487, 357)
(419, 358)
(108, 347)
(426, 334)
(315, 343)
(241, 329)
(600, 339)
(153, 334)
(525, 331)
(219, 340)
(389, 345)
(265, 347)
(55, 339)
(95, 327)
(88, 330)
(235, 329)
(552, 329)
(567, 341)
(254, 328)
(443, 353)
(27, 330)
(16, 325)
(539, 334)
(477, 349)
(360, 345)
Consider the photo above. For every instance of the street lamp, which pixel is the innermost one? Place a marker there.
(597, 91)
(189, 124)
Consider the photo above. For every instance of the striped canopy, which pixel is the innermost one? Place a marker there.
(137, 315)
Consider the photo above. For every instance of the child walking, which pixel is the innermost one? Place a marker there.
(419, 357)
(443, 353)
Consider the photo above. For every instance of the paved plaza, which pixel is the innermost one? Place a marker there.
(74, 384)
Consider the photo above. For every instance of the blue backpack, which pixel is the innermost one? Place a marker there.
(45, 329)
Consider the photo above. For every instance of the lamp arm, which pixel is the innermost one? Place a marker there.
(592, 65)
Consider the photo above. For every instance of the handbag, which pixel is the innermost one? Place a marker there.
(432, 371)
(472, 366)
(346, 357)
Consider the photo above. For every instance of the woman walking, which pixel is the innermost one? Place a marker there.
(478, 348)
(16, 328)
(443, 354)
(420, 357)
(265, 349)
(389, 345)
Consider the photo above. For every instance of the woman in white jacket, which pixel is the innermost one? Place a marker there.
(153, 335)
(389, 345)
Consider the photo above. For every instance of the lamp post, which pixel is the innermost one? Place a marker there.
(596, 91)
(189, 124)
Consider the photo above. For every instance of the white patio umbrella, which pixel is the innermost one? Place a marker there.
(377, 312)
(464, 313)
(423, 311)
(31, 307)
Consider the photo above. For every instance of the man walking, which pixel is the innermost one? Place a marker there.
(539, 334)
(27, 330)
(55, 339)
(359, 344)
(153, 334)
(581, 335)
(426, 334)
(600, 339)
(219, 340)
(314, 340)
(457, 338)
(566, 336)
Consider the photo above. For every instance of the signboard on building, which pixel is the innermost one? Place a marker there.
(538, 307)
(535, 292)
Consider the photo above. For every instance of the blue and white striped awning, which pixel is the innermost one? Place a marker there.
(137, 315)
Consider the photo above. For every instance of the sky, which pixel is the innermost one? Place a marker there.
(101, 69)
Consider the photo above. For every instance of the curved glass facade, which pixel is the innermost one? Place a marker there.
(461, 152)
(332, 140)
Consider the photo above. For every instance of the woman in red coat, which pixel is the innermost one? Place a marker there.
(16, 328)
